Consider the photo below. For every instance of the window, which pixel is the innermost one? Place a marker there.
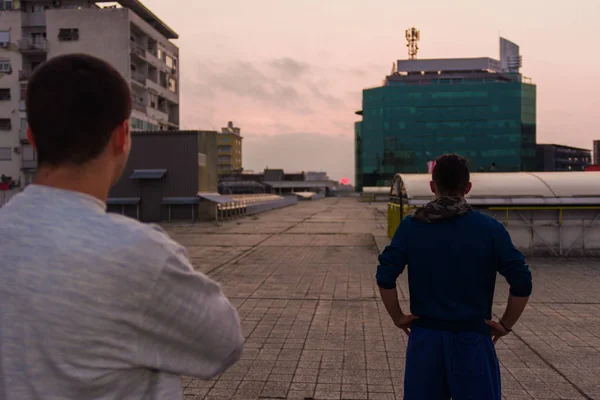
(68, 35)
(23, 124)
(160, 54)
(140, 125)
(153, 100)
(5, 67)
(23, 89)
(4, 94)
(5, 154)
(173, 85)
(4, 36)
(28, 154)
(6, 5)
(5, 124)
(169, 62)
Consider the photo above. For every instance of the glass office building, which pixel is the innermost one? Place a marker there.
(465, 106)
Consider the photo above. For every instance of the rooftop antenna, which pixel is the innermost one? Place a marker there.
(412, 37)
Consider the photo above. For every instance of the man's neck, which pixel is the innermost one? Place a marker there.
(82, 180)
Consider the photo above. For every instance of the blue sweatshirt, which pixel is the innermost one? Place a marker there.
(452, 266)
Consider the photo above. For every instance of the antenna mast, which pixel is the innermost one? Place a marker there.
(412, 37)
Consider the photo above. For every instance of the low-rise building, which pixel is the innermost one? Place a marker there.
(276, 181)
(555, 157)
(165, 176)
(230, 149)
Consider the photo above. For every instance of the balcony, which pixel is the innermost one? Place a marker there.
(138, 77)
(25, 75)
(23, 135)
(138, 105)
(29, 164)
(33, 46)
(138, 51)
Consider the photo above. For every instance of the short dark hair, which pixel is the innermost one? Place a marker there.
(74, 103)
(451, 174)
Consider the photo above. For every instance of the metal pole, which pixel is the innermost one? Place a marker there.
(560, 223)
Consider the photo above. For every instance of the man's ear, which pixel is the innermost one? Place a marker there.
(432, 186)
(468, 188)
(30, 138)
(120, 137)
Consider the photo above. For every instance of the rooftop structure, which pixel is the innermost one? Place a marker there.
(546, 213)
(510, 61)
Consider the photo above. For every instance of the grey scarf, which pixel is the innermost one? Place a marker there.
(442, 209)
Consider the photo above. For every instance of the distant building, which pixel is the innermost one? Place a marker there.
(480, 108)
(230, 150)
(554, 157)
(275, 181)
(165, 174)
(316, 176)
(597, 152)
(134, 40)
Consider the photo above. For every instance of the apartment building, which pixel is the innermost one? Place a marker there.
(127, 35)
(229, 151)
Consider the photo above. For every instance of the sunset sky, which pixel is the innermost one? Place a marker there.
(290, 73)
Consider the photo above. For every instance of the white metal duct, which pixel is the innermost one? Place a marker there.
(518, 188)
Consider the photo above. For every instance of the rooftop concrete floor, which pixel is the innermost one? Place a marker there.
(303, 281)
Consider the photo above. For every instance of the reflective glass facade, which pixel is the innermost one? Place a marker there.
(406, 124)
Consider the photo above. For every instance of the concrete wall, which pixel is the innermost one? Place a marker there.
(537, 233)
(258, 208)
(103, 33)
(177, 152)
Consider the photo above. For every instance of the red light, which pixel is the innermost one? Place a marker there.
(345, 181)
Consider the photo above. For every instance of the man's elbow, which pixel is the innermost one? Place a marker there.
(231, 356)
(522, 289)
(384, 279)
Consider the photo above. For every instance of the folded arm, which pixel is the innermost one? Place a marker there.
(189, 328)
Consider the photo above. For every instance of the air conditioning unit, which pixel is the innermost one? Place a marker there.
(4, 45)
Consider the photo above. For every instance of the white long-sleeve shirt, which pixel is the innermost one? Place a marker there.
(98, 306)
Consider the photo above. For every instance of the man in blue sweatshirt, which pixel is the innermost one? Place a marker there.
(453, 254)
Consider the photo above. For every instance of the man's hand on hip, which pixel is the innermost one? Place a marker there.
(404, 322)
(498, 330)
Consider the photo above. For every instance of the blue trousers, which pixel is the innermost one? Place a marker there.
(442, 365)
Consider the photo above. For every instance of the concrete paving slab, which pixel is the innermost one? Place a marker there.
(302, 240)
(316, 329)
(220, 239)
